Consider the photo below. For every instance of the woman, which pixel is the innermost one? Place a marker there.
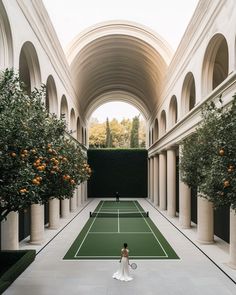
(123, 273)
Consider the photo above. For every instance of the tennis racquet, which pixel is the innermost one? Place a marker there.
(133, 265)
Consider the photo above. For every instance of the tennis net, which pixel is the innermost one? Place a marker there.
(119, 214)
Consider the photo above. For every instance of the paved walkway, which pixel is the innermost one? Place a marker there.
(193, 274)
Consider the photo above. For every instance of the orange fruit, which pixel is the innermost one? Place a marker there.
(226, 183)
(221, 152)
(13, 155)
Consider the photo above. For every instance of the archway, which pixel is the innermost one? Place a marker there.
(188, 98)
(173, 111)
(29, 69)
(51, 96)
(215, 64)
(6, 48)
(64, 109)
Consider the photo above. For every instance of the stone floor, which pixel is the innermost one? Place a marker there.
(193, 274)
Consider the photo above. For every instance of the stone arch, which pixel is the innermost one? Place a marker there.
(51, 96)
(125, 57)
(215, 66)
(156, 130)
(6, 44)
(78, 129)
(64, 109)
(29, 69)
(73, 122)
(188, 96)
(173, 111)
(163, 123)
(121, 96)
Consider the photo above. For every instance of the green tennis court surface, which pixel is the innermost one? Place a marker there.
(115, 223)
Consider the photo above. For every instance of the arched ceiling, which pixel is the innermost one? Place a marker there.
(118, 57)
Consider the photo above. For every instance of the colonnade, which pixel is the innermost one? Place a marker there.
(57, 209)
(162, 168)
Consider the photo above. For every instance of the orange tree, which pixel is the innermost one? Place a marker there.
(28, 135)
(208, 158)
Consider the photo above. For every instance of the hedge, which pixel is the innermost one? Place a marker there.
(122, 170)
(12, 264)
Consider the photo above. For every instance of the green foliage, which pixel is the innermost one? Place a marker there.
(120, 133)
(208, 157)
(108, 135)
(134, 137)
(29, 138)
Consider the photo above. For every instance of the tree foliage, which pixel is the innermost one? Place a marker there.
(121, 132)
(37, 160)
(134, 137)
(108, 135)
(208, 159)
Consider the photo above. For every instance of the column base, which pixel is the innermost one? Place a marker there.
(231, 265)
(185, 226)
(53, 227)
(206, 242)
(36, 242)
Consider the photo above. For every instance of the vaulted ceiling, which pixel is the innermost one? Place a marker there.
(119, 62)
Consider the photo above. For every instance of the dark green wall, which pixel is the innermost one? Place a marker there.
(122, 170)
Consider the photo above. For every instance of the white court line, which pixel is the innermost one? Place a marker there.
(112, 232)
(166, 255)
(87, 232)
(118, 221)
(131, 257)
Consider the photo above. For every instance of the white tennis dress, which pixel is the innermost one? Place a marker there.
(123, 272)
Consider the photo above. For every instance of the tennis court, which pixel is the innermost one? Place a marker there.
(114, 223)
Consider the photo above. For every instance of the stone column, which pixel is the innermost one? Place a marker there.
(86, 191)
(171, 182)
(82, 193)
(54, 213)
(79, 196)
(232, 239)
(148, 173)
(73, 202)
(151, 178)
(184, 205)
(155, 180)
(65, 208)
(184, 200)
(162, 181)
(205, 221)
(10, 232)
(37, 224)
